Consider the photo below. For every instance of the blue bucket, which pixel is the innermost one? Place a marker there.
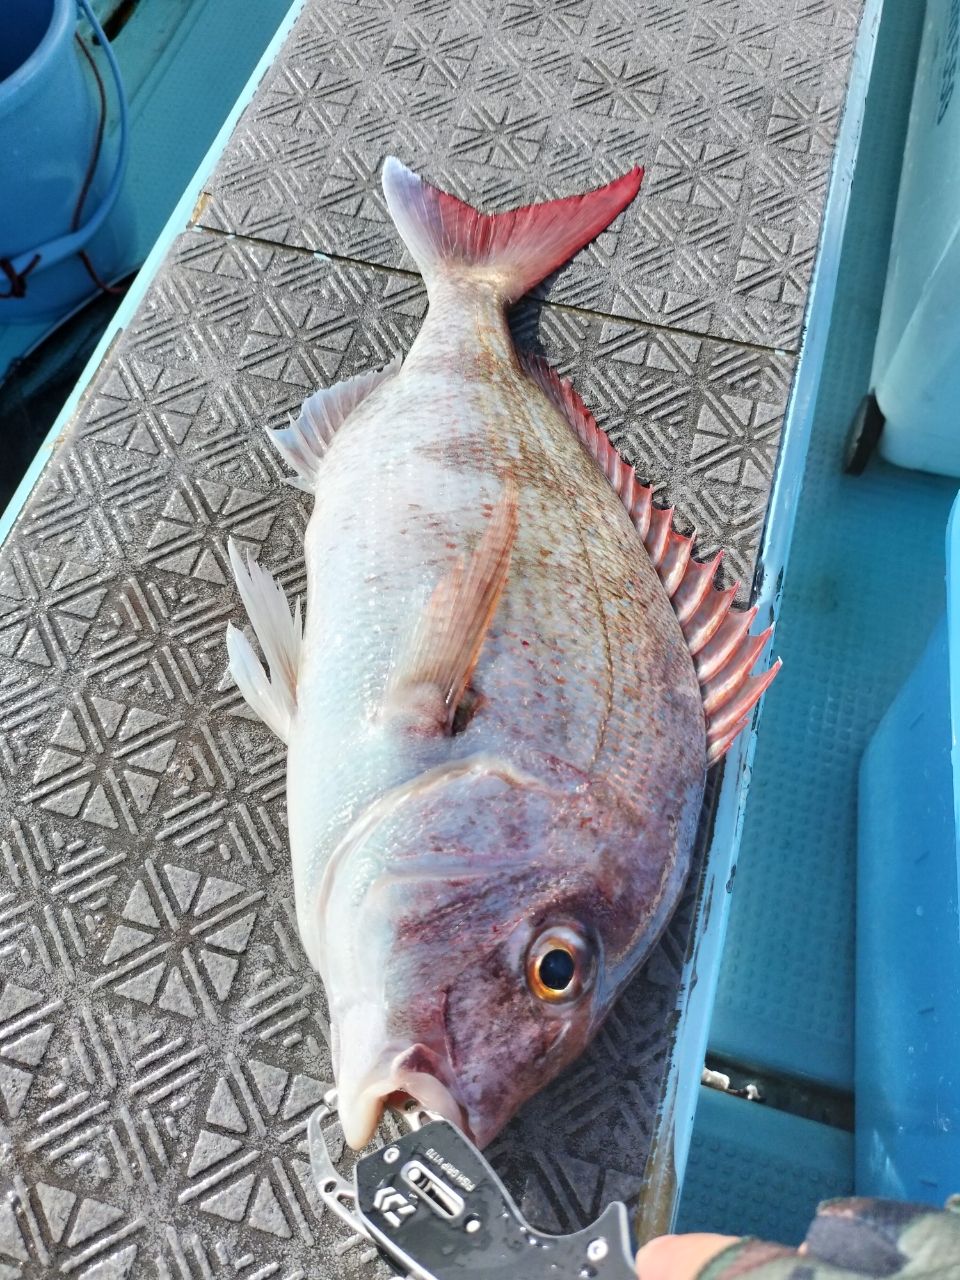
(58, 181)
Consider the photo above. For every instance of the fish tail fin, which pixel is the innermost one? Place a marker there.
(513, 250)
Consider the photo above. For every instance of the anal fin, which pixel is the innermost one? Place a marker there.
(303, 444)
(280, 635)
(716, 634)
(431, 678)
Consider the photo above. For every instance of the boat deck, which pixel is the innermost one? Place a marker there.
(162, 1041)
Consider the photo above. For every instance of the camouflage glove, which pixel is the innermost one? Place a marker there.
(855, 1240)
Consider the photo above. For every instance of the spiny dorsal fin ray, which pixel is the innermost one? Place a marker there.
(280, 635)
(717, 635)
(431, 678)
(303, 444)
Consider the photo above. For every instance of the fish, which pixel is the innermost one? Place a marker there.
(503, 699)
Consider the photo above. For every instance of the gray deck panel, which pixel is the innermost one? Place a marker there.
(732, 107)
(162, 1040)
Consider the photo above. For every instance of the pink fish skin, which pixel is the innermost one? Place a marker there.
(495, 711)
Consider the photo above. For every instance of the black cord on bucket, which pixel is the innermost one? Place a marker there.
(88, 177)
(18, 279)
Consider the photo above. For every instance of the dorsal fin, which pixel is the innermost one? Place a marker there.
(717, 634)
(303, 444)
(430, 679)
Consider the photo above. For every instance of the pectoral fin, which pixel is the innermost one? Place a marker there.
(280, 635)
(430, 680)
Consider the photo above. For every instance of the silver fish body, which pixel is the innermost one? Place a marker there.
(496, 730)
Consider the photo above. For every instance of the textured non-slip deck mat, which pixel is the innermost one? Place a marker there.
(162, 1040)
(732, 106)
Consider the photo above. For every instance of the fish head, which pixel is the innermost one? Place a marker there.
(476, 932)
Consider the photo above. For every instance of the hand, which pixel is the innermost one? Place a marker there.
(679, 1257)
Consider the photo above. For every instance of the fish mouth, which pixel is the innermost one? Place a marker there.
(413, 1075)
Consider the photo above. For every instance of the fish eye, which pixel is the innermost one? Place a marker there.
(559, 965)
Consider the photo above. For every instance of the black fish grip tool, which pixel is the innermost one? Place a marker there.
(432, 1205)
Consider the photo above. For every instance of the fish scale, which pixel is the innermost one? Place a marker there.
(498, 723)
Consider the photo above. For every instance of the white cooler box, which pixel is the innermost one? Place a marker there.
(913, 412)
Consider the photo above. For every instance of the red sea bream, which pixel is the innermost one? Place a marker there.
(501, 707)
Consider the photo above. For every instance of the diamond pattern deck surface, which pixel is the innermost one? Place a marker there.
(162, 1039)
(732, 106)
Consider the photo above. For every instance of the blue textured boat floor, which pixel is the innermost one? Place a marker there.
(755, 1171)
(862, 592)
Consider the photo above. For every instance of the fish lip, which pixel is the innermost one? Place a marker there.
(415, 1072)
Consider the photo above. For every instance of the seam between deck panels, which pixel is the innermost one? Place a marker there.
(406, 273)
